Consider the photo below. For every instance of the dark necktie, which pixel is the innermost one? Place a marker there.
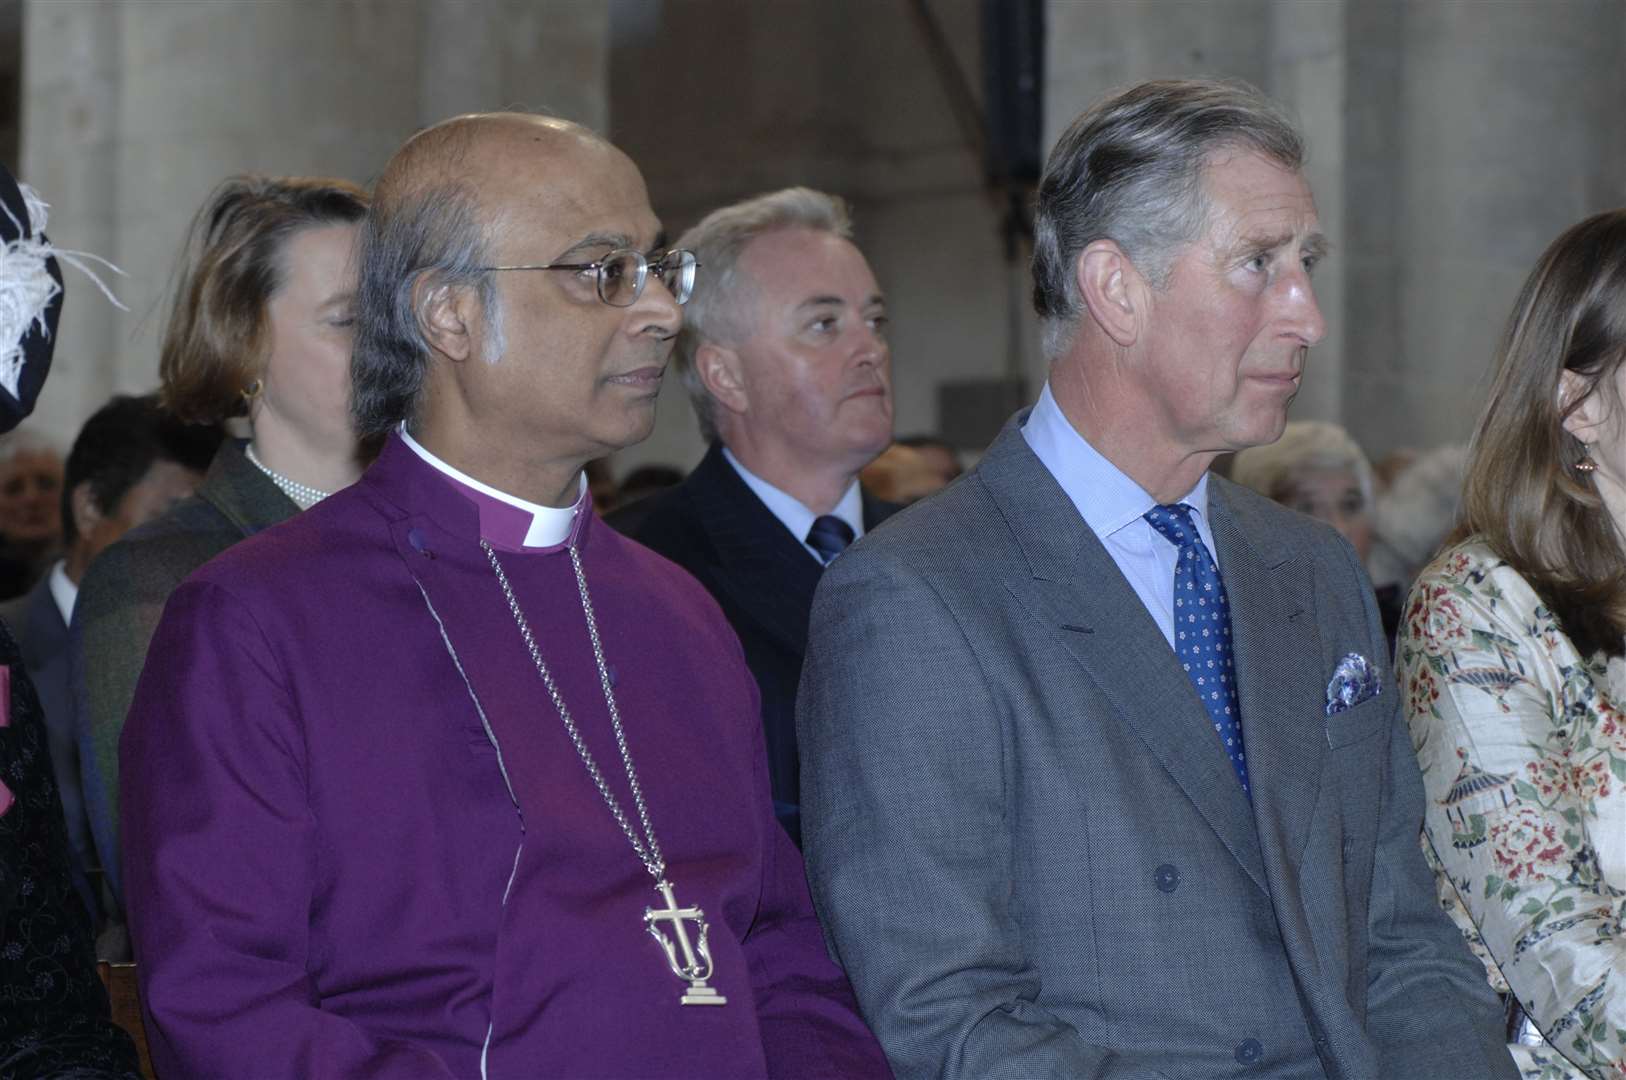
(829, 536)
(1202, 630)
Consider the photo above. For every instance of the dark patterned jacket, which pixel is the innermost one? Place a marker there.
(53, 1011)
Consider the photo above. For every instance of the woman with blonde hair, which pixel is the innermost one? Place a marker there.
(260, 330)
(1512, 662)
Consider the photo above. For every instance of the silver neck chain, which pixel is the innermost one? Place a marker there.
(647, 847)
(303, 495)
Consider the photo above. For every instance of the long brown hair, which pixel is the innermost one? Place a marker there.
(1523, 494)
(214, 343)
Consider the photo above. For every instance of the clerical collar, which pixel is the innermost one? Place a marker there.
(793, 513)
(508, 521)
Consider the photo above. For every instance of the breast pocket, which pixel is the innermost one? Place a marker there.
(1359, 723)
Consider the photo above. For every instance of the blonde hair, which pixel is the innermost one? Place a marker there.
(214, 343)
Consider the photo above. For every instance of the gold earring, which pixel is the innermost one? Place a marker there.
(251, 391)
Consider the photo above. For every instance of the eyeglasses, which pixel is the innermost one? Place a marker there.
(620, 275)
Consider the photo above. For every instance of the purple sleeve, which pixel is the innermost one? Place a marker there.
(805, 1006)
(219, 848)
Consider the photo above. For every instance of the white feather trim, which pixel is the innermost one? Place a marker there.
(27, 288)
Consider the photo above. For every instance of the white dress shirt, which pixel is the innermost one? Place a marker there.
(1113, 506)
(63, 591)
(790, 511)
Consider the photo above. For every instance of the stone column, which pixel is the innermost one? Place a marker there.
(135, 110)
(1477, 133)
(1307, 62)
(70, 107)
(1290, 49)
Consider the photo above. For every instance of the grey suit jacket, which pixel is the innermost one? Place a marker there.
(1031, 853)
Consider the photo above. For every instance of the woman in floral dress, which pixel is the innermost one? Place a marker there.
(1512, 660)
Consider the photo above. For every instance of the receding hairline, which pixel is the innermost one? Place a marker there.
(447, 152)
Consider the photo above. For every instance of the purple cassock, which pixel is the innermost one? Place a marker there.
(359, 841)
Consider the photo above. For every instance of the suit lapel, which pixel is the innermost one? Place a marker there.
(1278, 660)
(765, 571)
(1076, 591)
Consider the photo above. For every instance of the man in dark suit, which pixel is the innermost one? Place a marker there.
(1104, 772)
(784, 354)
(130, 462)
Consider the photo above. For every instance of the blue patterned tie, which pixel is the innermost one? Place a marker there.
(829, 536)
(1202, 630)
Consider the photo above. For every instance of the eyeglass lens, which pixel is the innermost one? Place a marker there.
(677, 274)
(621, 278)
(622, 275)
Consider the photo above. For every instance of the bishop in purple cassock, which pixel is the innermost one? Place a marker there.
(443, 779)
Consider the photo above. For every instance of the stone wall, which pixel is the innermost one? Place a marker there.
(133, 112)
(1450, 140)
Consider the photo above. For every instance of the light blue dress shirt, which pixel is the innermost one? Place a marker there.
(790, 511)
(1113, 506)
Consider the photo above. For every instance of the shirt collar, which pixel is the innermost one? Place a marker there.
(507, 520)
(791, 512)
(1105, 496)
(63, 591)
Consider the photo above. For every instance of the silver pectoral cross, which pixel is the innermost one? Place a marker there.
(689, 960)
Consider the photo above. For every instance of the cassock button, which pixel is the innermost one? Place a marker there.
(419, 544)
(1166, 877)
(1249, 1051)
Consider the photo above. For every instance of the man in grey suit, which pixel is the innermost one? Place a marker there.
(1135, 799)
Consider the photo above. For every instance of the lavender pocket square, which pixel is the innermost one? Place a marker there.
(1354, 680)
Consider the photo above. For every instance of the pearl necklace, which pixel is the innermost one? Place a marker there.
(303, 495)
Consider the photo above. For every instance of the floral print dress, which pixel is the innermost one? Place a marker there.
(1522, 744)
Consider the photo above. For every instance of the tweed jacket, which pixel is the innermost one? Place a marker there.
(1031, 852)
(120, 601)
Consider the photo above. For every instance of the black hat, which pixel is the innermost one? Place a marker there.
(38, 332)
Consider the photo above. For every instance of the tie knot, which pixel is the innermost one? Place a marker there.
(1174, 523)
(829, 536)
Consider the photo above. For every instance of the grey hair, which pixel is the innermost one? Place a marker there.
(432, 234)
(1304, 445)
(1130, 170)
(25, 441)
(1417, 514)
(717, 241)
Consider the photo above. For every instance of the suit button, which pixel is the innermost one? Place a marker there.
(1166, 877)
(1249, 1051)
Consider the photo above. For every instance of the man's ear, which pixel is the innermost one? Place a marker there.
(449, 317)
(1113, 291)
(85, 514)
(719, 369)
(1584, 409)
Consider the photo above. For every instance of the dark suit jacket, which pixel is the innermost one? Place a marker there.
(120, 600)
(36, 623)
(1031, 853)
(715, 527)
